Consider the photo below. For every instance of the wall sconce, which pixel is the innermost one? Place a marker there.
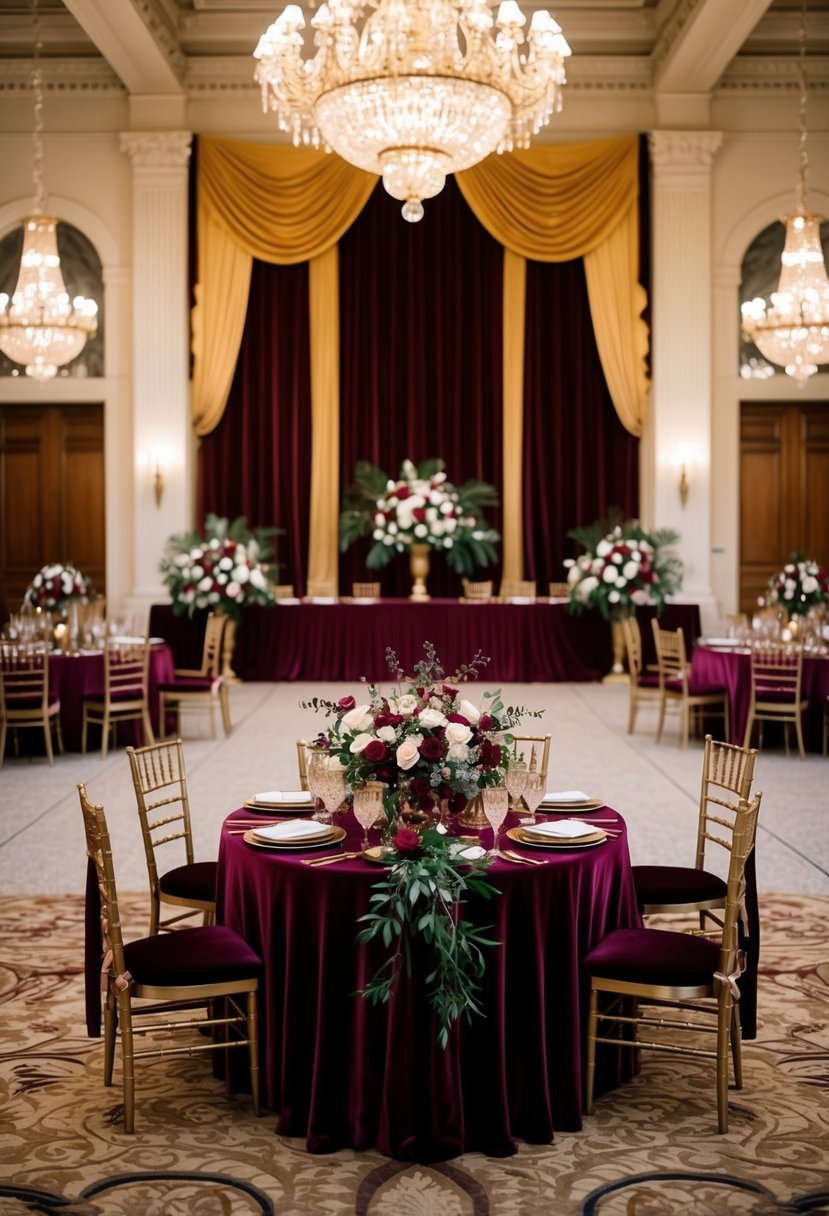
(157, 463)
(684, 459)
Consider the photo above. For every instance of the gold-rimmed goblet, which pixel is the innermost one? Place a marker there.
(332, 789)
(533, 795)
(368, 807)
(316, 768)
(496, 809)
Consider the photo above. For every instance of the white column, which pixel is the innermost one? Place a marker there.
(161, 430)
(681, 351)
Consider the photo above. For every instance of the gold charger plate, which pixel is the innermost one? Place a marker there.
(592, 804)
(379, 855)
(268, 808)
(577, 842)
(336, 836)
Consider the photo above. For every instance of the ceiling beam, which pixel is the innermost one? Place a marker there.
(139, 49)
(697, 45)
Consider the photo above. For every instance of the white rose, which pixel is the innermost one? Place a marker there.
(225, 563)
(406, 705)
(358, 718)
(360, 742)
(181, 559)
(457, 751)
(387, 733)
(233, 590)
(609, 574)
(241, 574)
(258, 579)
(456, 732)
(205, 584)
(431, 718)
(587, 587)
(407, 753)
(630, 569)
(809, 584)
(603, 548)
(421, 530)
(618, 558)
(469, 711)
(196, 572)
(614, 597)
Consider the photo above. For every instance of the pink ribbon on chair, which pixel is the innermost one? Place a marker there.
(732, 979)
(113, 983)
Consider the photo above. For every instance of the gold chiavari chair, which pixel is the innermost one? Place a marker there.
(476, 592)
(523, 589)
(534, 750)
(147, 980)
(124, 698)
(202, 687)
(365, 591)
(644, 683)
(677, 689)
(777, 689)
(160, 784)
(282, 591)
(25, 702)
(691, 975)
(559, 591)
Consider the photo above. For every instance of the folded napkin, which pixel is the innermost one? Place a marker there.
(566, 796)
(289, 796)
(469, 852)
(567, 829)
(293, 829)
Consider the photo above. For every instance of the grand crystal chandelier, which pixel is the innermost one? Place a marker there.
(413, 89)
(40, 326)
(794, 331)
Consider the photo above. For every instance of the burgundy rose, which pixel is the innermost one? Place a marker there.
(431, 749)
(402, 492)
(345, 704)
(387, 719)
(486, 722)
(490, 754)
(407, 840)
(458, 803)
(458, 718)
(376, 751)
(421, 787)
(419, 514)
(384, 774)
(449, 692)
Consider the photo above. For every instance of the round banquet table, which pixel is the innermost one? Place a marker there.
(341, 1072)
(75, 676)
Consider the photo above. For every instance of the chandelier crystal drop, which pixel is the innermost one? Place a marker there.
(413, 89)
(794, 331)
(40, 326)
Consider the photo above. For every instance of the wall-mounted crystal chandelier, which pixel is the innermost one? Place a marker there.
(794, 331)
(413, 89)
(40, 326)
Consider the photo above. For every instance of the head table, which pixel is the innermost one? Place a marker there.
(341, 1072)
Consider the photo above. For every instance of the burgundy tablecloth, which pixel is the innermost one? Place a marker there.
(527, 643)
(73, 677)
(732, 670)
(341, 1072)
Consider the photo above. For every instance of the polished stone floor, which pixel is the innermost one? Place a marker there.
(656, 787)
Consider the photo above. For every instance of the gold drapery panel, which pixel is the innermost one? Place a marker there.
(285, 205)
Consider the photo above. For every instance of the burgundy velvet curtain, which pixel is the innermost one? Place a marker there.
(578, 458)
(257, 462)
(421, 361)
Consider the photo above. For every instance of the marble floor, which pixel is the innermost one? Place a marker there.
(655, 786)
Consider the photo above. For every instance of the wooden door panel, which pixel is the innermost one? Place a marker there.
(51, 494)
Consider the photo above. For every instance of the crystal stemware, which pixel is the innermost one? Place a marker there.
(316, 765)
(516, 780)
(496, 808)
(332, 789)
(533, 795)
(368, 807)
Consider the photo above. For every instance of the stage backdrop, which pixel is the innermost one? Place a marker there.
(423, 318)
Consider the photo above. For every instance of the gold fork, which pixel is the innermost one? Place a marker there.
(330, 858)
(508, 855)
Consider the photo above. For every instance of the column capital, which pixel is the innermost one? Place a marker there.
(684, 149)
(157, 149)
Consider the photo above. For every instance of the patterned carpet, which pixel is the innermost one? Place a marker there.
(650, 1149)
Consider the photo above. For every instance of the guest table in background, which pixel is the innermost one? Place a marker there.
(75, 676)
(527, 643)
(341, 1072)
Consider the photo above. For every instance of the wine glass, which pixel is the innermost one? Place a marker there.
(496, 808)
(368, 806)
(332, 789)
(316, 765)
(516, 779)
(533, 795)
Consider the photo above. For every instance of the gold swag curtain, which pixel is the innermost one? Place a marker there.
(285, 205)
(552, 205)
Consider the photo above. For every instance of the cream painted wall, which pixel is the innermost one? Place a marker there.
(752, 181)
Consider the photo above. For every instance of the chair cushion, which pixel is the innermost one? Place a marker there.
(648, 680)
(654, 956)
(197, 881)
(193, 684)
(14, 701)
(775, 692)
(207, 955)
(676, 885)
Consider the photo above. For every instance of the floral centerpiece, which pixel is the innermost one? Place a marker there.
(56, 586)
(623, 566)
(225, 568)
(801, 584)
(431, 747)
(420, 507)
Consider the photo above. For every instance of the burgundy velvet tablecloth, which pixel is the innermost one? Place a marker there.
(527, 643)
(732, 670)
(75, 676)
(341, 1072)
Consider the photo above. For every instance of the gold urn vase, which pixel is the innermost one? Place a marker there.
(419, 566)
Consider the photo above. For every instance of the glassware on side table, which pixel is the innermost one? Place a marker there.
(496, 809)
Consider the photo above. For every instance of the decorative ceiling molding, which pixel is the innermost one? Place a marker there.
(683, 149)
(63, 76)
